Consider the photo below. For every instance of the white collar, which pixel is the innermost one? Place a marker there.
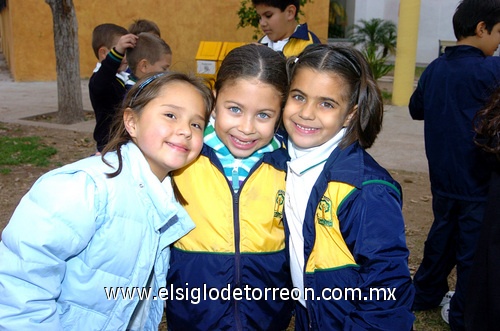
(306, 159)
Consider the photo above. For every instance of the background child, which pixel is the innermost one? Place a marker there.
(105, 223)
(239, 240)
(107, 83)
(343, 210)
(278, 21)
(150, 54)
(450, 92)
(482, 311)
(143, 25)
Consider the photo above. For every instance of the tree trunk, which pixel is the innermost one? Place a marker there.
(69, 92)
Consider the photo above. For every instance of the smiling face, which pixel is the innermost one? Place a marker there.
(316, 108)
(246, 113)
(169, 130)
(276, 24)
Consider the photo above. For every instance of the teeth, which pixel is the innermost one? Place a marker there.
(242, 142)
(304, 128)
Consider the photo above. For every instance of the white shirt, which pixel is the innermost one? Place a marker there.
(276, 45)
(303, 170)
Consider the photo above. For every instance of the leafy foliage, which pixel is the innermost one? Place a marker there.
(337, 20)
(378, 40)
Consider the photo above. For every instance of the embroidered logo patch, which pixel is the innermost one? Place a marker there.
(324, 212)
(278, 205)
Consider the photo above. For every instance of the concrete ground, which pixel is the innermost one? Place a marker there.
(400, 145)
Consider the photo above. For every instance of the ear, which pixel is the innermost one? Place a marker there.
(349, 117)
(130, 121)
(290, 12)
(102, 52)
(143, 67)
(481, 29)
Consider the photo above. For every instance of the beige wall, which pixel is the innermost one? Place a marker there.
(27, 39)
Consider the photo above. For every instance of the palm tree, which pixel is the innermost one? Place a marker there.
(378, 40)
(375, 33)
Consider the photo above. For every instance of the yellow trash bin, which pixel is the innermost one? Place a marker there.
(210, 55)
(207, 59)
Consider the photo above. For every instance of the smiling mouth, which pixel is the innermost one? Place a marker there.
(242, 142)
(180, 148)
(305, 128)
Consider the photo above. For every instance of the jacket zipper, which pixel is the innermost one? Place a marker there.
(237, 257)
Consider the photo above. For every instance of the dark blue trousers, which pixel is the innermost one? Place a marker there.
(451, 242)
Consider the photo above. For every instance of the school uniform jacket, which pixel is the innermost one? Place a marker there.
(238, 242)
(354, 237)
(450, 92)
(299, 40)
(106, 91)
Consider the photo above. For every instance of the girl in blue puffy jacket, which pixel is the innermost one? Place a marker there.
(87, 248)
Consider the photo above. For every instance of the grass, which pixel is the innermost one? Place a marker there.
(419, 71)
(386, 97)
(23, 150)
(430, 320)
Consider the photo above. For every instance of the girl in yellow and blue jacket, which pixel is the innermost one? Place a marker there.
(348, 255)
(231, 272)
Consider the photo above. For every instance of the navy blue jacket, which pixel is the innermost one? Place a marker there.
(354, 238)
(451, 90)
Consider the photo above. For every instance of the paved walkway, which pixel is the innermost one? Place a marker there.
(399, 146)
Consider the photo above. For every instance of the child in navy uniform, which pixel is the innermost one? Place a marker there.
(278, 21)
(451, 90)
(343, 210)
(107, 83)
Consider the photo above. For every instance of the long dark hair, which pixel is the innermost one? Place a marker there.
(487, 125)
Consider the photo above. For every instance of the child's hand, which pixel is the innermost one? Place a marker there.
(126, 41)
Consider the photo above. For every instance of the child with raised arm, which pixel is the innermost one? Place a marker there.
(234, 193)
(278, 21)
(343, 210)
(90, 231)
(107, 83)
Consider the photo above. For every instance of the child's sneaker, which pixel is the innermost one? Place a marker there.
(446, 298)
(445, 312)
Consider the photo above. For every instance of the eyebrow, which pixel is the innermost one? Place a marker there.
(180, 108)
(320, 97)
(242, 107)
(201, 118)
(169, 105)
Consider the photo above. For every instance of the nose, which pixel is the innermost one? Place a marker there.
(185, 129)
(307, 112)
(246, 125)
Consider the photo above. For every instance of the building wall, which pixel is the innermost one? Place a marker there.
(435, 22)
(28, 45)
